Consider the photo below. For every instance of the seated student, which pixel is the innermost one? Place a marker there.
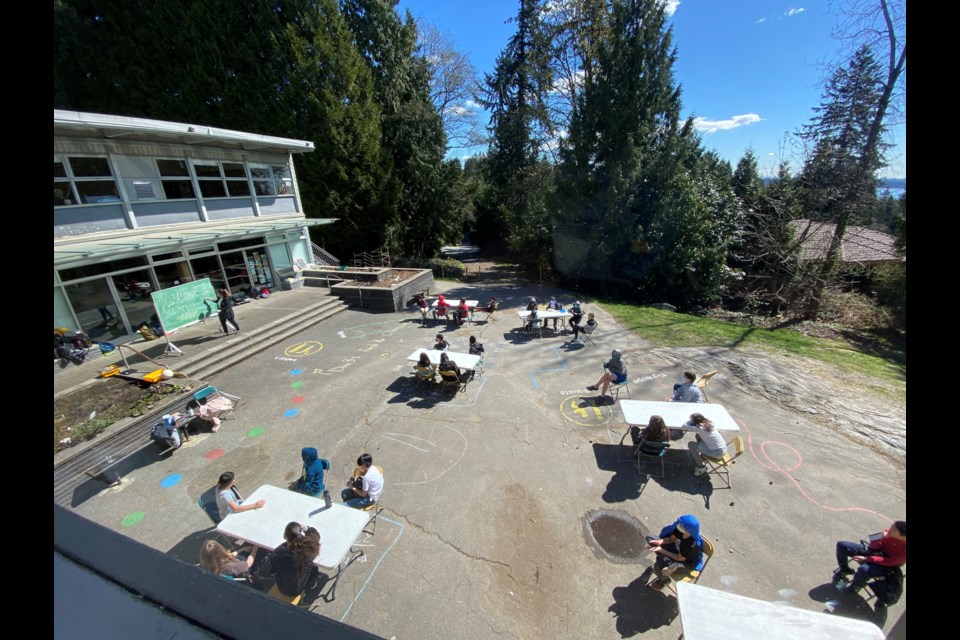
(424, 308)
(232, 564)
(576, 313)
(311, 478)
(441, 309)
(679, 550)
(616, 372)
(533, 321)
(441, 343)
(688, 391)
(709, 441)
(532, 304)
(879, 558)
(655, 431)
(462, 311)
(424, 368)
(446, 364)
(491, 306)
(291, 564)
(476, 348)
(364, 488)
(229, 499)
(553, 305)
(577, 328)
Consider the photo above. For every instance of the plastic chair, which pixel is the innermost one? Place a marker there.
(652, 450)
(720, 467)
(703, 381)
(213, 512)
(615, 389)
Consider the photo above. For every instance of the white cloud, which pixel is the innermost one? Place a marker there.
(712, 126)
(792, 12)
(760, 21)
(470, 104)
(460, 111)
(670, 7)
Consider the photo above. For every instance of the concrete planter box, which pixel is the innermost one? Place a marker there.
(359, 274)
(383, 297)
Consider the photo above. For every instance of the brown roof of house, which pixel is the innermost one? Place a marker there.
(860, 244)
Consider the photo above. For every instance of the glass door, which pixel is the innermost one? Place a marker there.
(235, 266)
(96, 309)
(134, 291)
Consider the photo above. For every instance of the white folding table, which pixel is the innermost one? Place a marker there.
(710, 614)
(547, 315)
(452, 306)
(463, 360)
(339, 526)
(676, 414)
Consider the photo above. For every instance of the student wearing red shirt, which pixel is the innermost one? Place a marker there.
(876, 558)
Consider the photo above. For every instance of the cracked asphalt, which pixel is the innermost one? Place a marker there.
(486, 491)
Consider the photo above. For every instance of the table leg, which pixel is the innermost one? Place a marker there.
(341, 567)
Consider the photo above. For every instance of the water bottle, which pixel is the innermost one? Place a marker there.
(326, 499)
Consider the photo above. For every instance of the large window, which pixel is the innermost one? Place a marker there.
(272, 180)
(175, 177)
(83, 180)
(220, 180)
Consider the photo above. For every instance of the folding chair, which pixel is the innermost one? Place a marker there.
(535, 325)
(651, 451)
(204, 395)
(720, 467)
(489, 310)
(425, 375)
(275, 592)
(585, 332)
(375, 507)
(615, 389)
(703, 381)
(694, 576)
(450, 380)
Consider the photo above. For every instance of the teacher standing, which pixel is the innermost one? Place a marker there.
(225, 310)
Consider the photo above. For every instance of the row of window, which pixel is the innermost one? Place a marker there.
(90, 180)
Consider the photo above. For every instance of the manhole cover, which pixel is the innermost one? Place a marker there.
(616, 536)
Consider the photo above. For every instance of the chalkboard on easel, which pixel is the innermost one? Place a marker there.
(185, 304)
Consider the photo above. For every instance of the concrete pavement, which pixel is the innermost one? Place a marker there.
(488, 494)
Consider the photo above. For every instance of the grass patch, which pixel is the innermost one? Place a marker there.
(671, 329)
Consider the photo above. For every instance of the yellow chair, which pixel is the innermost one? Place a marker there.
(281, 596)
(425, 375)
(720, 467)
(694, 576)
(703, 381)
(450, 380)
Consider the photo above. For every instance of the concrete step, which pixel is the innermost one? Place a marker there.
(219, 359)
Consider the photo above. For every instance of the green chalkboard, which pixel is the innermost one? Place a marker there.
(185, 304)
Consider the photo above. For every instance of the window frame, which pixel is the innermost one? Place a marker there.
(76, 183)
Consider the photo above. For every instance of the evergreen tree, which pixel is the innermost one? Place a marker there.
(519, 179)
(640, 206)
(846, 137)
(417, 185)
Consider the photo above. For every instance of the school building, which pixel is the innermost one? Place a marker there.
(141, 205)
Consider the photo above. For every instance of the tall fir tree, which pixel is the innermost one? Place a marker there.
(640, 206)
(518, 177)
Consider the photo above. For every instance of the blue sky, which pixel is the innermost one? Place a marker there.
(750, 70)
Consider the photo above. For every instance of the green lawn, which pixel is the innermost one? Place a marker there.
(670, 329)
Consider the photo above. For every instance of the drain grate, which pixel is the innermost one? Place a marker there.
(616, 536)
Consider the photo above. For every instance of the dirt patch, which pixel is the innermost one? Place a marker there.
(83, 414)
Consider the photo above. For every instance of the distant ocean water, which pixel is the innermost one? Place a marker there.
(896, 192)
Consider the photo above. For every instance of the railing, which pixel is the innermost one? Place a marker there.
(378, 258)
(320, 256)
